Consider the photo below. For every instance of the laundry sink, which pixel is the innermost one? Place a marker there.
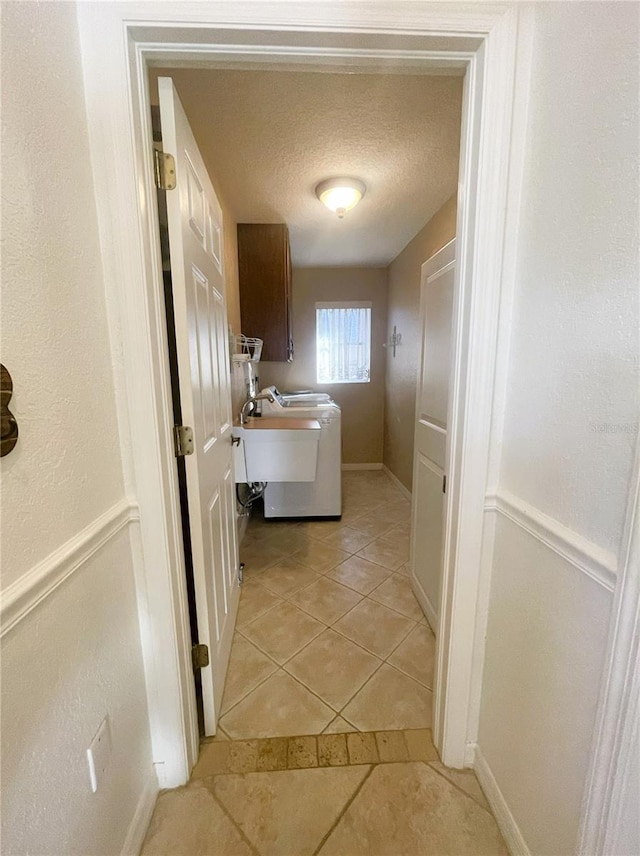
(276, 450)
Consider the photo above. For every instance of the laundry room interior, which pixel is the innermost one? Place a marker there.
(329, 635)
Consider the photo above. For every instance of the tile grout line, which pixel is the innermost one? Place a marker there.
(394, 499)
(339, 712)
(248, 693)
(345, 808)
(230, 817)
(457, 787)
(361, 687)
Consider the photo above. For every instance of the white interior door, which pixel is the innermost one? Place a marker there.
(436, 312)
(195, 242)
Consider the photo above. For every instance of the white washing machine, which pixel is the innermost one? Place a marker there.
(322, 497)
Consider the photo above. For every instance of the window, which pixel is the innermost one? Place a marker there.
(343, 342)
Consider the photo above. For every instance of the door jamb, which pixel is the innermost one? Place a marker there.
(114, 49)
(614, 741)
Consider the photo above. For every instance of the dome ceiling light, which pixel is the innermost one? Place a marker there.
(340, 194)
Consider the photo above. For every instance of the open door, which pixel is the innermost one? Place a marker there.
(430, 448)
(202, 345)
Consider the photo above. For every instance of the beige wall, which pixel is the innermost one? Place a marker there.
(362, 403)
(403, 310)
(74, 657)
(570, 416)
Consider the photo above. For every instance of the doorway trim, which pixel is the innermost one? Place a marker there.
(117, 40)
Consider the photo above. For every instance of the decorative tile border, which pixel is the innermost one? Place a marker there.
(220, 757)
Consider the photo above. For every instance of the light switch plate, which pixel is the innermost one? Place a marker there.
(99, 754)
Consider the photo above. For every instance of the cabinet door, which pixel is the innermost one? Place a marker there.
(289, 306)
(265, 287)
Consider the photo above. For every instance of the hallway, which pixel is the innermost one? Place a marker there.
(330, 646)
(329, 634)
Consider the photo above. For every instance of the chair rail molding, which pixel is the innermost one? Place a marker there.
(18, 599)
(592, 560)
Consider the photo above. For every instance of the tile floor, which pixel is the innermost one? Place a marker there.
(345, 799)
(329, 635)
(331, 647)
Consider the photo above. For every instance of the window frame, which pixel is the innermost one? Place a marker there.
(343, 304)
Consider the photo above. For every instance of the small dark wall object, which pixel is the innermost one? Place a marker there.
(8, 424)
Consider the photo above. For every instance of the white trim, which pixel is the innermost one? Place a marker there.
(513, 214)
(482, 232)
(141, 818)
(394, 478)
(423, 600)
(113, 47)
(605, 790)
(470, 755)
(349, 467)
(37, 584)
(344, 304)
(506, 822)
(592, 560)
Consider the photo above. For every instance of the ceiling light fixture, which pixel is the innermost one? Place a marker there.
(340, 194)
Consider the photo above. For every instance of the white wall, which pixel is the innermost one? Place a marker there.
(75, 656)
(573, 369)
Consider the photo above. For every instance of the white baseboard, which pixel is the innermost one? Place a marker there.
(362, 466)
(505, 820)
(470, 755)
(424, 602)
(403, 490)
(141, 819)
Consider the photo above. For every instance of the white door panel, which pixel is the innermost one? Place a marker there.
(430, 450)
(436, 346)
(195, 241)
(428, 533)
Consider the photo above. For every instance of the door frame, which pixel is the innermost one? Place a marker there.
(492, 43)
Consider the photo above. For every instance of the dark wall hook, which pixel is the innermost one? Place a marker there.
(8, 424)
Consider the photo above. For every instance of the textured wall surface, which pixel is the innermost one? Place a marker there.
(270, 137)
(573, 368)
(572, 404)
(70, 661)
(401, 371)
(544, 655)
(76, 656)
(362, 403)
(66, 467)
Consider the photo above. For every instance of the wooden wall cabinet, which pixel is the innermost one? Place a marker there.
(264, 266)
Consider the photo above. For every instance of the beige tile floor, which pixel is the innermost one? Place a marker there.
(347, 797)
(331, 646)
(329, 635)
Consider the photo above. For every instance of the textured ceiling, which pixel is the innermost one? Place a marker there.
(268, 137)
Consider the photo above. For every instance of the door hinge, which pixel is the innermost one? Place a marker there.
(200, 656)
(164, 168)
(444, 484)
(183, 440)
(240, 573)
